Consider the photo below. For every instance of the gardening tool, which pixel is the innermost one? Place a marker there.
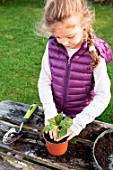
(14, 134)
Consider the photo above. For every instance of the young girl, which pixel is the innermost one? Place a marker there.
(73, 78)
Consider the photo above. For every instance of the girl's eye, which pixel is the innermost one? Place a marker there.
(57, 37)
(70, 37)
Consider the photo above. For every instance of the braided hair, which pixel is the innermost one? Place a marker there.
(92, 50)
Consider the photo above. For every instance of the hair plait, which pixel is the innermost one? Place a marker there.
(92, 50)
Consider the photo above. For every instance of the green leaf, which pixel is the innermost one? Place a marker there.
(52, 121)
(54, 127)
(66, 123)
(58, 118)
(62, 132)
(47, 128)
(57, 123)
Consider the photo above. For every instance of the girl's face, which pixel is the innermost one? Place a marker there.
(70, 34)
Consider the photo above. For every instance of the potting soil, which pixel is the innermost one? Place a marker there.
(78, 156)
(104, 151)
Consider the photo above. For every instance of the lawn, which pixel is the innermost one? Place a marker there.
(21, 50)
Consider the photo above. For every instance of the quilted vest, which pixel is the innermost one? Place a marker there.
(72, 78)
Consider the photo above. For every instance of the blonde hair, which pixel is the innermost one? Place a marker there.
(56, 11)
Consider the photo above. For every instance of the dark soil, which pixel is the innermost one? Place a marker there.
(104, 151)
(78, 155)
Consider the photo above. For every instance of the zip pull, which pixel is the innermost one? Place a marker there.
(68, 62)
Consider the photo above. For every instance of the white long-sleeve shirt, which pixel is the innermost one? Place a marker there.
(90, 112)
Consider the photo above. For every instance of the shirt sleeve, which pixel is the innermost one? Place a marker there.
(44, 88)
(100, 101)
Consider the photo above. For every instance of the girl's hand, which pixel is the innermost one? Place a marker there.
(70, 134)
(52, 134)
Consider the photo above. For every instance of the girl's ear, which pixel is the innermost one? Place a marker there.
(84, 28)
(85, 34)
(87, 25)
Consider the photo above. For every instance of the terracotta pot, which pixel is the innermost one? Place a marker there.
(56, 148)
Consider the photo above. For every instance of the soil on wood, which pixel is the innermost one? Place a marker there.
(104, 151)
(92, 132)
(78, 155)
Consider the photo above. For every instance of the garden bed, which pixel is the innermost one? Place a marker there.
(31, 146)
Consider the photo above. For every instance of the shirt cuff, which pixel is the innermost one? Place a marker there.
(76, 129)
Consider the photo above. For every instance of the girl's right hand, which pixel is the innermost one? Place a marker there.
(52, 134)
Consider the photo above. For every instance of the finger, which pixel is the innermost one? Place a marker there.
(69, 130)
(68, 134)
(71, 136)
(51, 134)
(55, 134)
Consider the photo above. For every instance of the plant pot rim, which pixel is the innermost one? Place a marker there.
(55, 142)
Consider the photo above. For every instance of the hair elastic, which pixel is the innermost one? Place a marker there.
(92, 48)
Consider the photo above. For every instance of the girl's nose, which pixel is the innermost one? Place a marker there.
(64, 41)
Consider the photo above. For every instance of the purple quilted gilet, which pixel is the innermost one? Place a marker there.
(72, 79)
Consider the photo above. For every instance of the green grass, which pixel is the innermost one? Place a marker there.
(21, 50)
(104, 29)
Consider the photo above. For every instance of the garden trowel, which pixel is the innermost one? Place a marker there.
(14, 134)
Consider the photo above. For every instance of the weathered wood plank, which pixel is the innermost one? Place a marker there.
(4, 165)
(18, 163)
(13, 112)
(33, 157)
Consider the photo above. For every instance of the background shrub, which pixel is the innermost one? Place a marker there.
(106, 2)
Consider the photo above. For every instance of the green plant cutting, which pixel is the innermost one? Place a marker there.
(59, 123)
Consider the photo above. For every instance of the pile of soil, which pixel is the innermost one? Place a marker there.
(104, 151)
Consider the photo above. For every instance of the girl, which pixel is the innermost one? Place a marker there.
(73, 78)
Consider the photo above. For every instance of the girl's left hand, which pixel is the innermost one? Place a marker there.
(70, 134)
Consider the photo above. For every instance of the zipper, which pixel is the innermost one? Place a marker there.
(66, 80)
(68, 62)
